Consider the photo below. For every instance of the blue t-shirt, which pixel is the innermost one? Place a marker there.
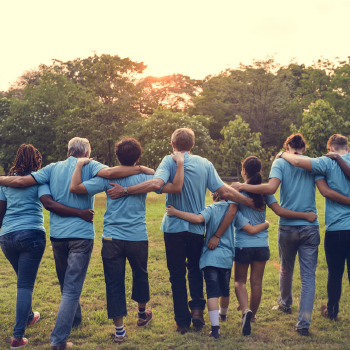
(222, 256)
(125, 217)
(58, 176)
(200, 174)
(297, 191)
(244, 239)
(24, 210)
(337, 215)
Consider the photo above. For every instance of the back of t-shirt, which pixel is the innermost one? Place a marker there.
(297, 190)
(200, 175)
(58, 176)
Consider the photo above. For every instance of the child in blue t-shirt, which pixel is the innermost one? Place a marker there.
(218, 251)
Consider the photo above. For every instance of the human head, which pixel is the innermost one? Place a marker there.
(337, 143)
(216, 197)
(128, 151)
(79, 147)
(295, 143)
(183, 139)
(28, 159)
(251, 172)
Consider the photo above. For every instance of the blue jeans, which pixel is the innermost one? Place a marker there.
(72, 260)
(303, 240)
(24, 250)
(114, 254)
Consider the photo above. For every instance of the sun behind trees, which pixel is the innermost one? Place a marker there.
(105, 97)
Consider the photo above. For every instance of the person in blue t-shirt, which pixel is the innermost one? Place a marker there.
(22, 235)
(254, 249)
(125, 233)
(184, 240)
(71, 237)
(218, 251)
(297, 193)
(337, 213)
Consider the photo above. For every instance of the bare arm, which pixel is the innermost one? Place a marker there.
(296, 160)
(178, 181)
(76, 183)
(225, 223)
(290, 214)
(341, 162)
(331, 194)
(3, 206)
(124, 171)
(253, 229)
(17, 181)
(190, 217)
(63, 210)
(269, 188)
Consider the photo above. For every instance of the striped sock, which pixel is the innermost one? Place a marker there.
(142, 313)
(120, 331)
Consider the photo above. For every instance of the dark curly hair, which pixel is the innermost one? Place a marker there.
(28, 159)
(295, 141)
(252, 167)
(128, 151)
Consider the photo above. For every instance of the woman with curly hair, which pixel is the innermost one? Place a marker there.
(22, 235)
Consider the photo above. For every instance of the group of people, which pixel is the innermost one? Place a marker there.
(198, 240)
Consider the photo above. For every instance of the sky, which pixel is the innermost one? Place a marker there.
(191, 37)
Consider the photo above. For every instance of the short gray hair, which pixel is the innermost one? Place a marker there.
(78, 147)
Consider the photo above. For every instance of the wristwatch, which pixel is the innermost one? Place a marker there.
(125, 191)
(279, 155)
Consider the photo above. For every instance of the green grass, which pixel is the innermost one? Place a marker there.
(272, 331)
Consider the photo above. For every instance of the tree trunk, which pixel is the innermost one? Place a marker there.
(109, 154)
(238, 169)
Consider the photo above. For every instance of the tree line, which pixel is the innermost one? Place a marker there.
(245, 111)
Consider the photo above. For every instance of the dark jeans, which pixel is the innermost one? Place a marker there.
(72, 260)
(114, 254)
(337, 249)
(24, 250)
(217, 281)
(183, 249)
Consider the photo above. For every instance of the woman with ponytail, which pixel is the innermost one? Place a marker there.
(254, 249)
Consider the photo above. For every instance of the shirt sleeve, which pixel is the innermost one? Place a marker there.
(44, 189)
(163, 171)
(206, 213)
(270, 198)
(96, 185)
(319, 166)
(96, 167)
(43, 175)
(319, 177)
(276, 170)
(2, 195)
(240, 220)
(214, 181)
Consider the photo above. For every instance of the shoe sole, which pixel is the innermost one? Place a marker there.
(246, 327)
(17, 347)
(197, 322)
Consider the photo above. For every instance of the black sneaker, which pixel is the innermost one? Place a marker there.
(223, 318)
(215, 332)
(245, 325)
(303, 331)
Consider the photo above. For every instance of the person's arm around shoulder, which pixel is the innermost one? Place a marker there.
(225, 223)
(269, 188)
(17, 181)
(178, 181)
(344, 166)
(190, 217)
(331, 194)
(76, 183)
(124, 171)
(296, 160)
(253, 229)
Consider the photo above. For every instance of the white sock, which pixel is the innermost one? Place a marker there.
(223, 311)
(120, 331)
(214, 317)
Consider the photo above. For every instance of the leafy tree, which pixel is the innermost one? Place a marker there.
(154, 134)
(239, 143)
(319, 123)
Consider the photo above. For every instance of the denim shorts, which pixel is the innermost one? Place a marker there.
(247, 255)
(217, 281)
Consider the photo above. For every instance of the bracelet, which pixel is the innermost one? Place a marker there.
(217, 236)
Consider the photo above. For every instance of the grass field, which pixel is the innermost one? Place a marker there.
(273, 329)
